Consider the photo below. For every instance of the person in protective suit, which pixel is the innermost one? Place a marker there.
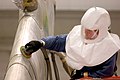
(90, 48)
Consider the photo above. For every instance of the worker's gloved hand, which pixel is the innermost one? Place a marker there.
(33, 46)
(78, 75)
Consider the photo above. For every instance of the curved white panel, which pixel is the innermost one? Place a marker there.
(32, 26)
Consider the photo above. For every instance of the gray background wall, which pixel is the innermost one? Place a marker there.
(65, 20)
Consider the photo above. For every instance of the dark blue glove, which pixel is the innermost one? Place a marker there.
(33, 46)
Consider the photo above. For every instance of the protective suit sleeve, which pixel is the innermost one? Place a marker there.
(106, 69)
(56, 43)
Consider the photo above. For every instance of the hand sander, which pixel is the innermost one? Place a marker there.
(24, 52)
